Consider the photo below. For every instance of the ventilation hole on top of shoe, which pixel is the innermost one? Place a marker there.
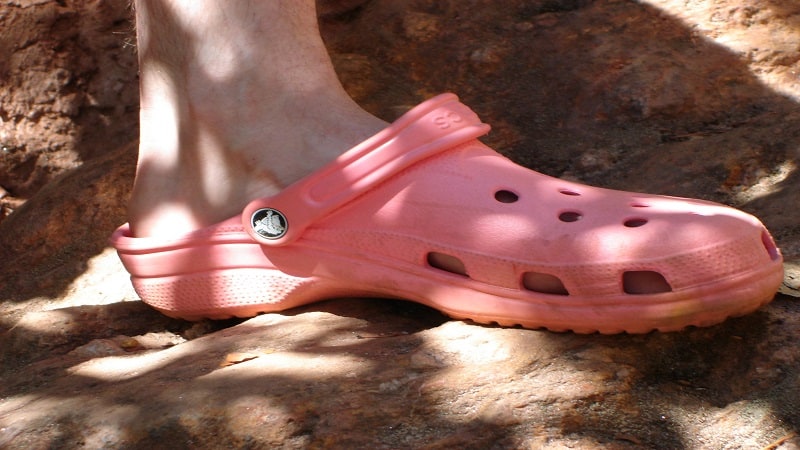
(635, 223)
(769, 244)
(569, 192)
(644, 282)
(570, 216)
(543, 283)
(505, 196)
(448, 263)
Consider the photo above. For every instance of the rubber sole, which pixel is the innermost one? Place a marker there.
(249, 291)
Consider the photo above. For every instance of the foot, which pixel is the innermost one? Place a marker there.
(425, 212)
(221, 161)
(238, 100)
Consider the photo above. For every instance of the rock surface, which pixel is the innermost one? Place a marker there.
(695, 99)
(378, 374)
(67, 89)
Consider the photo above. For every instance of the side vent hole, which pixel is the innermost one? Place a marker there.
(639, 205)
(544, 283)
(569, 192)
(505, 196)
(635, 223)
(570, 216)
(644, 282)
(448, 263)
(769, 244)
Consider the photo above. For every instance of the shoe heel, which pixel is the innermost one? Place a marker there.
(222, 294)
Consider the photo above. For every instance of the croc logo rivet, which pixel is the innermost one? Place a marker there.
(269, 223)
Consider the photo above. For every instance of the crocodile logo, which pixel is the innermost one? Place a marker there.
(269, 223)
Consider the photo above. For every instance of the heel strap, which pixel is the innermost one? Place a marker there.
(432, 127)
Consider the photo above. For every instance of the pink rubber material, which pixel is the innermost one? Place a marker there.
(375, 222)
(437, 125)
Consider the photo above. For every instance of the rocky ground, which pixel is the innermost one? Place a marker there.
(690, 98)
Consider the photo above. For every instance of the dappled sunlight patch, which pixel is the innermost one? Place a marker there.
(18, 403)
(456, 344)
(767, 184)
(107, 432)
(243, 348)
(14, 423)
(120, 368)
(292, 364)
(105, 281)
(100, 428)
(44, 322)
(758, 41)
(758, 425)
(103, 424)
(468, 344)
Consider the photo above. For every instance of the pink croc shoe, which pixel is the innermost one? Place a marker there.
(423, 211)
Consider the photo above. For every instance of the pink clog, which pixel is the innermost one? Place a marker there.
(423, 211)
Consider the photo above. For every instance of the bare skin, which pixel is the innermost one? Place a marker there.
(238, 100)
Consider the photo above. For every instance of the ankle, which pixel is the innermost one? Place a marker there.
(225, 118)
(199, 165)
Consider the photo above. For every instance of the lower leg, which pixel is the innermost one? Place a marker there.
(238, 99)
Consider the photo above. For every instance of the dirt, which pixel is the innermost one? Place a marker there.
(68, 95)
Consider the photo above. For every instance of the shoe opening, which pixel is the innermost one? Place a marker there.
(644, 282)
(506, 196)
(769, 245)
(635, 222)
(448, 263)
(570, 216)
(543, 283)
